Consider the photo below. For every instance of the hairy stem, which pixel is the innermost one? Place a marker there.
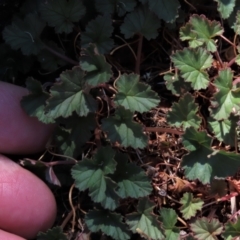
(224, 38)
(67, 59)
(218, 58)
(231, 62)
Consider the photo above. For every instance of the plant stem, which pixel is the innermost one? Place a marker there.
(67, 59)
(218, 58)
(227, 40)
(231, 62)
(237, 80)
(139, 53)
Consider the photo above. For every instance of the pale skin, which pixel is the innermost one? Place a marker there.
(27, 206)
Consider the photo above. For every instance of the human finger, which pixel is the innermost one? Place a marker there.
(19, 133)
(27, 206)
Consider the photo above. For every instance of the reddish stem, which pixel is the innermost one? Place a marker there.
(67, 59)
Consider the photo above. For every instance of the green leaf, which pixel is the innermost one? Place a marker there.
(187, 34)
(192, 63)
(111, 200)
(225, 7)
(98, 70)
(76, 133)
(92, 174)
(34, 103)
(236, 25)
(190, 205)
(169, 219)
(205, 229)
(69, 96)
(61, 14)
(227, 97)
(164, 9)
(25, 34)
(199, 30)
(13, 62)
(184, 113)
(234, 15)
(118, 6)
(232, 230)
(238, 60)
(145, 221)
(176, 84)
(64, 142)
(204, 164)
(141, 21)
(131, 179)
(224, 130)
(120, 128)
(55, 233)
(109, 223)
(48, 60)
(98, 32)
(134, 95)
(29, 6)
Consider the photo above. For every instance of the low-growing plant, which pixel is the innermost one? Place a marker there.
(145, 97)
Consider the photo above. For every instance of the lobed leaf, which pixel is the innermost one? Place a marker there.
(75, 134)
(98, 32)
(169, 219)
(192, 64)
(134, 95)
(236, 26)
(227, 97)
(55, 233)
(25, 34)
(225, 7)
(205, 229)
(187, 34)
(118, 6)
(232, 230)
(176, 84)
(34, 104)
(131, 179)
(98, 70)
(109, 223)
(92, 174)
(13, 62)
(164, 9)
(144, 221)
(202, 163)
(69, 96)
(65, 144)
(120, 128)
(224, 130)
(184, 113)
(238, 60)
(190, 205)
(141, 21)
(200, 31)
(61, 14)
